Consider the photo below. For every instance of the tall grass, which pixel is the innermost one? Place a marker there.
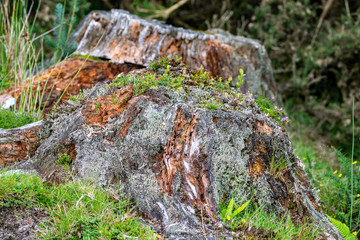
(19, 58)
(338, 182)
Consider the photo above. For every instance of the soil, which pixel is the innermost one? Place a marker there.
(18, 223)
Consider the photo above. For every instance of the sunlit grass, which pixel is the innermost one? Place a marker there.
(76, 209)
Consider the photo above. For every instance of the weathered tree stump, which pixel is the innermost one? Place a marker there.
(167, 151)
(177, 159)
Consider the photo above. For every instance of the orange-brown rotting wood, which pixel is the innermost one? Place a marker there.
(18, 144)
(71, 75)
(182, 155)
(106, 107)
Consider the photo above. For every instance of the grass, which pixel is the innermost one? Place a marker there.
(286, 230)
(77, 210)
(12, 119)
(336, 176)
(21, 59)
(275, 226)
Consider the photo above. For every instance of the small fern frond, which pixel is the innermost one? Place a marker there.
(343, 229)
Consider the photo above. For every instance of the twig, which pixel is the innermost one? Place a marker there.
(108, 4)
(82, 196)
(85, 195)
(323, 14)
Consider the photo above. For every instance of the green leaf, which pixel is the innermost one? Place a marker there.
(230, 208)
(343, 229)
(240, 209)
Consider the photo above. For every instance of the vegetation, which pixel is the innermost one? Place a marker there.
(19, 58)
(314, 49)
(243, 218)
(64, 24)
(12, 119)
(76, 210)
(166, 75)
(343, 229)
(337, 178)
(64, 159)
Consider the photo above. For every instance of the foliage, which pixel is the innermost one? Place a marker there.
(159, 63)
(19, 57)
(78, 97)
(268, 107)
(330, 171)
(142, 83)
(64, 159)
(317, 74)
(277, 165)
(240, 77)
(244, 218)
(64, 24)
(76, 210)
(343, 229)
(13, 119)
(343, 181)
(229, 213)
(280, 227)
(166, 75)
